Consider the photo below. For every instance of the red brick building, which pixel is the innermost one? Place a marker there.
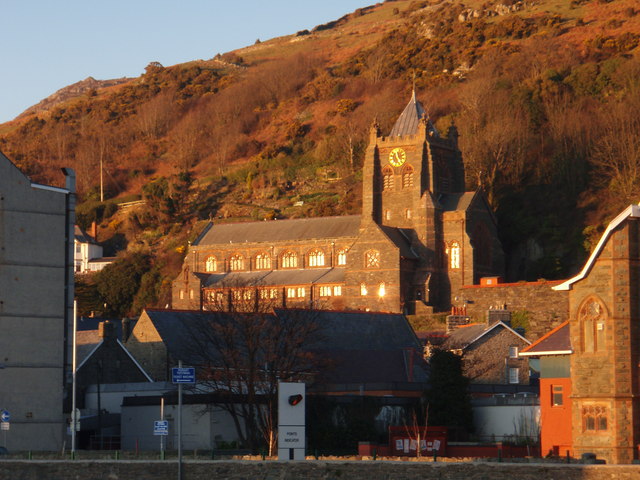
(420, 237)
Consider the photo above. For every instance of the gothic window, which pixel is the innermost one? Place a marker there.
(342, 257)
(382, 291)
(236, 263)
(211, 265)
(594, 418)
(592, 319)
(407, 176)
(289, 260)
(266, 293)
(316, 258)
(454, 255)
(387, 178)
(263, 261)
(372, 259)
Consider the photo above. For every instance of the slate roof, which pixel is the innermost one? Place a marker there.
(555, 342)
(408, 121)
(452, 202)
(81, 236)
(274, 277)
(281, 230)
(362, 346)
(464, 336)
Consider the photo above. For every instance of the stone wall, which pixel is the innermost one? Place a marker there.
(546, 308)
(312, 470)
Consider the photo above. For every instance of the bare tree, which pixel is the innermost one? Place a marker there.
(243, 355)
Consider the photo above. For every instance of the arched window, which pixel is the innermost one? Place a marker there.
(407, 176)
(236, 263)
(372, 259)
(289, 259)
(594, 418)
(454, 256)
(387, 178)
(342, 257)
(592, 318)
(316, 258)
(211, 264)
(382, 291)
(263, 261)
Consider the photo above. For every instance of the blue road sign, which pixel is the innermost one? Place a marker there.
(4, 416)
(183, 375)
(161, 427)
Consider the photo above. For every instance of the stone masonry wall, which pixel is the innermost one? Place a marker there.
(311, 470)
(546, 308)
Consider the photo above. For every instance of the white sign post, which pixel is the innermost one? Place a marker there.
(291, 421)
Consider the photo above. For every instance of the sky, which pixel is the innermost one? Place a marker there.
(47, 45)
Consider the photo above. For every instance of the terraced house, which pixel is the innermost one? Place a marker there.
(420, 236)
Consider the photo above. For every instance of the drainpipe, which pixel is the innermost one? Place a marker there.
(69, 293)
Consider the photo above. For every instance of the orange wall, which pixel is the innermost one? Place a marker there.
(555, 420)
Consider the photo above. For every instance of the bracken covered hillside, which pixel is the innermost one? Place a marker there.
(543, 93)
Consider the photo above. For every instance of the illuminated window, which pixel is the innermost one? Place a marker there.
(372, 259)
(181, 294)
(296, 292)
(342, 257)
(236, 294)
(407, 213)
(407, 176)
(325, 291)
(387, 178)
(263, 261)
(382, 290)
(337, 291)
(592, 318)
(363, 289)
(268, 293)
(289, 260)
(236, 263)
(387, 214)
(301, 292)
(454, 255)
(557, 395)
(316, 258)
(211, 265)
(291, 292)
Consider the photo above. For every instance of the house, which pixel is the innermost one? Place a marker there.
(553, 351)
(87, 256)
(36, 306)
(490, 353)
(102, 360)
(420, 236)
(604, 323)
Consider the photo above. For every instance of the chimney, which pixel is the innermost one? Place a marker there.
(94, 231)
(106, 330)
(456, 321)
(499, 314)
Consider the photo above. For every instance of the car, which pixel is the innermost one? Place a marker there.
(3, 450)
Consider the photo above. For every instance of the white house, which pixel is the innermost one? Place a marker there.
(87, 254)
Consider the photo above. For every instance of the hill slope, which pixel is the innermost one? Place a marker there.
(543, 93)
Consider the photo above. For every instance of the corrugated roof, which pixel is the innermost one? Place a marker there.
(282, 230)
(408, 121)
(555, 342)
(274, 277)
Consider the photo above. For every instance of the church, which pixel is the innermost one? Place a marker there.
(420, 237)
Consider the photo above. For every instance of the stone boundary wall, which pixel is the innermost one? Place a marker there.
(547, 308)
(312, 470)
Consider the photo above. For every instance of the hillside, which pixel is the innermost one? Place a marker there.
(543, 93)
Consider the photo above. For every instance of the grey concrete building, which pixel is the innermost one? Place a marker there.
(36, 305)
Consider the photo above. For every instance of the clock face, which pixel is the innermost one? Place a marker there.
(397, 157)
